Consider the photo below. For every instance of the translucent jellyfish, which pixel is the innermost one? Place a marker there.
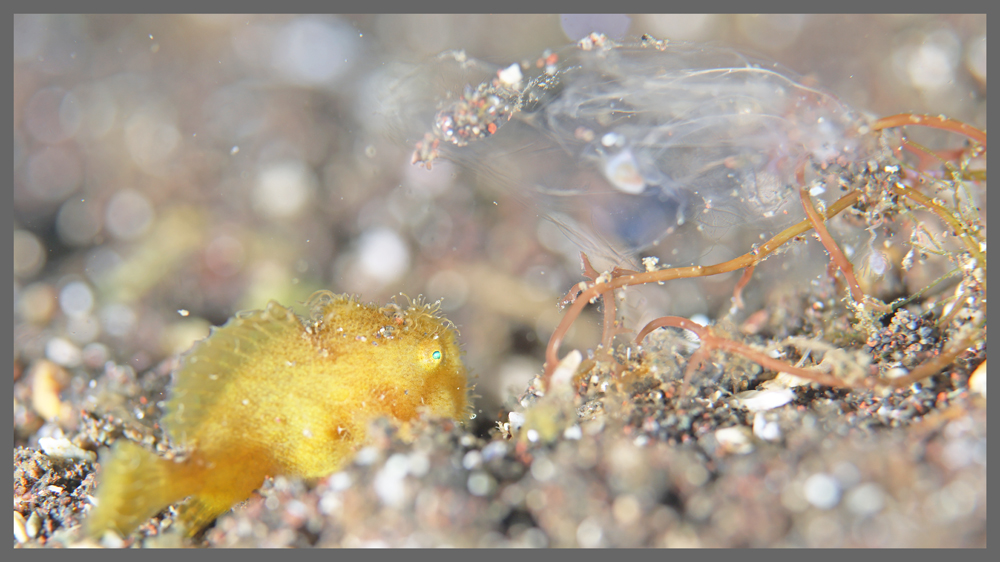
(651, 148)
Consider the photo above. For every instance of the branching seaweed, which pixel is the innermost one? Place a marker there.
(892, 194)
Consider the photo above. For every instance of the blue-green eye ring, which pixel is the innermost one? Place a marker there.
(436, 355)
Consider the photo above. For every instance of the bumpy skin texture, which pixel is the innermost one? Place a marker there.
(271, 394)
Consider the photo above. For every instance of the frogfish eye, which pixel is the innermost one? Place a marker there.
(436, 355)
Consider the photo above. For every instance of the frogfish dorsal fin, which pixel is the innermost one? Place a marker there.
(210, 365)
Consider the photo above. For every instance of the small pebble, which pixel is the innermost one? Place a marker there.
(63, 352)
(47, 381)
(389, 482)
(822, 491)
(494, 450)
(76, 299)
(37, 303)
(564, 372)
(61, 447)
(626, 509)
(734, 439)
(33, 525)
(897, 372)
(516, 420)
(95, 355)
(589, 533)
(865, 499)
(112, 539)
(977, 382)
(339, 481)
(20, 528)
(419, 464)
(480, 483)
(472, 460)
(543, 469)
(700, 319)
(766, 430)
(366, 456)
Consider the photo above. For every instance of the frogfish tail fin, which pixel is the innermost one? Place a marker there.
(136, 484)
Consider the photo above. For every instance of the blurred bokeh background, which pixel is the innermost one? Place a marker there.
(172, 170)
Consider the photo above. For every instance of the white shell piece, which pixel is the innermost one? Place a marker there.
(623, 173)
(761, 400)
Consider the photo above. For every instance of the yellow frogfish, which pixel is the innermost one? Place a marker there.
(270, 393)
